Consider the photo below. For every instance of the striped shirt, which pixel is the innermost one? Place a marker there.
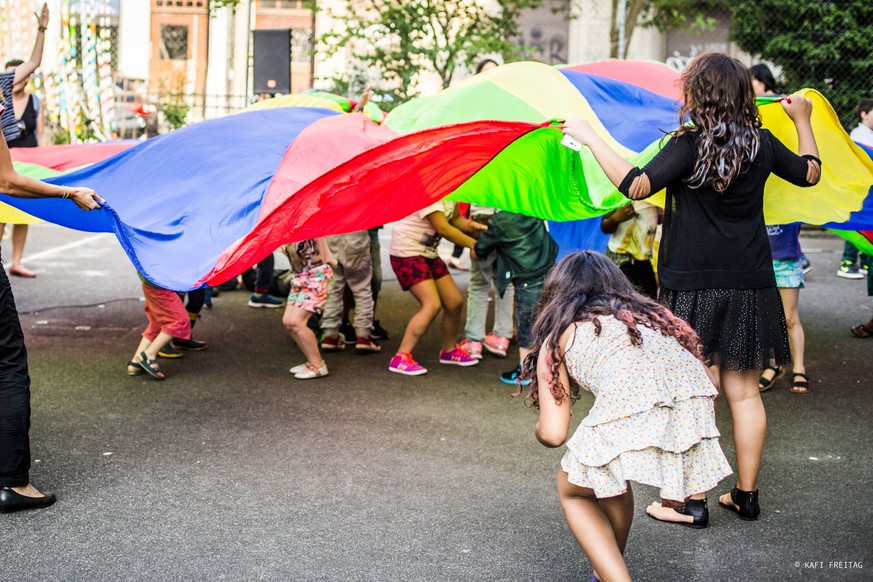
(7, 117)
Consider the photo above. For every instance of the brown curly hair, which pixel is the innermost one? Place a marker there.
(720, 104)
(582, 287)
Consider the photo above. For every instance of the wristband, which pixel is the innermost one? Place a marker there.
(66, 193)
(41, 28)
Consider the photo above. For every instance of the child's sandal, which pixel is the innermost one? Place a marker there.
(800, 386)
(150, 367)
(134, 369)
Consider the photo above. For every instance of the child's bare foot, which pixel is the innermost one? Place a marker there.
(662, 513)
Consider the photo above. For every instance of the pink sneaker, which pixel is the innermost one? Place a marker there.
(404, 364)
(458, 357)
(496, 345)
(472, 348)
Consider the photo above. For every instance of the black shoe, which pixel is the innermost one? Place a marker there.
(347, 332)
(746, 501)
(697, 509)
(189, 344)
(171, 353)
(12, 501)
(378, 332)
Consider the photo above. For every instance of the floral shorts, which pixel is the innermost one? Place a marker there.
(789, 274)
(309, 289)
(412, 270)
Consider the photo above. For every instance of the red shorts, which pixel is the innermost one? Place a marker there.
(412, 270)
(166, 313)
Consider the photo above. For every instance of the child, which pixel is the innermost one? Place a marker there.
(632, 241)
(653, 419)
(168, 319)
(354, 271)
(525, 253)
(714, 264)
(483, 274)
(311, 260)
(419, 269)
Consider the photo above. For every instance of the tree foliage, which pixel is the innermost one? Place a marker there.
(396, 40)
(822, 45)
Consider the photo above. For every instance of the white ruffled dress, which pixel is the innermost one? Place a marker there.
(653, 419)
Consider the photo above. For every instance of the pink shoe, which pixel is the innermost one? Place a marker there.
(458, 357)
(496, 345)
(472, 348)
(404, 364)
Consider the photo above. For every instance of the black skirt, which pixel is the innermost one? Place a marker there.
(740, 329)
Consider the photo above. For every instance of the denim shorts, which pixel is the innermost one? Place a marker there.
(527, 294)
(789, 274)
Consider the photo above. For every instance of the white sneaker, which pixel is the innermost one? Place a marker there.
(309, 372)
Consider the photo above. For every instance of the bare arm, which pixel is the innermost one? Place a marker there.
(554, 420)
(799, 109)
(25, 70)
(610, 221)
(14, 184)
(451, 231)
(615, 166)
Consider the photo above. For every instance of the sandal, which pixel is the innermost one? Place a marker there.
(150, 366)
(134, 369)
(743, 503)
(862, 331)
(765, 384)
(799, 387)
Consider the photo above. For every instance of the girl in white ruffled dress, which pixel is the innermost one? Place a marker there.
(653, 419)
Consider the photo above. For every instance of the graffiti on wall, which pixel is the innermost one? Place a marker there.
(546, 44)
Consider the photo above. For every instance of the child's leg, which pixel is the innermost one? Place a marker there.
(428, 299)
(295, 320)
(453, 302)
(600, 526)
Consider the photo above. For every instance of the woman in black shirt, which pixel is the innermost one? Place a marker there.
(714, 263)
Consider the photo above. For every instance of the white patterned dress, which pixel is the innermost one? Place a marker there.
(653, 419)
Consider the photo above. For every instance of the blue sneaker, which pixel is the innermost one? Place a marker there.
(265, 300)
(512, 377)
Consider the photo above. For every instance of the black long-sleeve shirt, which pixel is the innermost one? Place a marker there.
(716, 240)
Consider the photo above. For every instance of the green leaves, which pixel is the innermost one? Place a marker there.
(394, 42)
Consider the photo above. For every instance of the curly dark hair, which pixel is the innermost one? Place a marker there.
(720, 103)
(582, 287)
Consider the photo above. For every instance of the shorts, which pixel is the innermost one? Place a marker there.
(412, 270)
(527, 295)
(789, 274)
(309, 289)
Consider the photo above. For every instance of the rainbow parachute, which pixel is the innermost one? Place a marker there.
(202, 204)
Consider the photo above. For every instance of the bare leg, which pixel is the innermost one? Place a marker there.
(295, 320)
(796, 337)
(428, 299)
(19, 237)
(600, 526)
(452, 302)
(750, 425)
(664, 511)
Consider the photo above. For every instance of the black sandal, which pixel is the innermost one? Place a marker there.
(696, 508)
(764, 384)
(137, 369)
(801, 387)
(745, 504)
(150, 366)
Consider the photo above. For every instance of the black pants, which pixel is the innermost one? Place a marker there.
(264, 274)
(14, 393)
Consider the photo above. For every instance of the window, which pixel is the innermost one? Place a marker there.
(174, 42)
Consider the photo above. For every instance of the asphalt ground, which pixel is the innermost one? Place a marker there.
(232, 470)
